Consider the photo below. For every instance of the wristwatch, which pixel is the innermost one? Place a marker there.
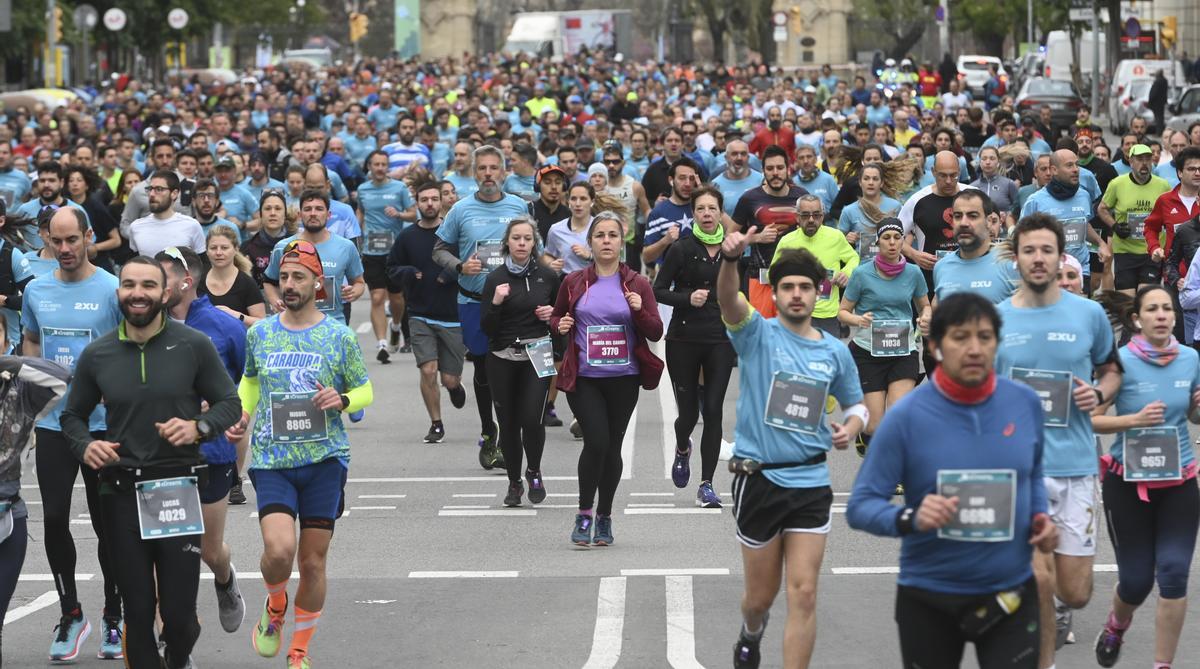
(345, 401)
(242, 317)
(1099, 395)
(458, 268)
(905, 522)
(205, 430)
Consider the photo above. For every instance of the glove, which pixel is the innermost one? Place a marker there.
(1122, 230)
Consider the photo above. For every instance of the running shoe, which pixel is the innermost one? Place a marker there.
(576, 430)
(515, 492)
(489, 452)
(69, 635)
(537, 490)
(298, 660)
(436, 434)
(237, 496)
(383, 356)
(1108, 646)
(168, 662)
(706, 497)
(268, 633)
(1063, 619)
(550, 417)
(393, 336)
(458, 396)
(231, 608)
(404, 349)
(357, 416)
(745, 651)
(582, 534)
(603, 535)
(110, 642)
(681, 470)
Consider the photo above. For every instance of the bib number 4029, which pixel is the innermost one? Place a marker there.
(172, 515)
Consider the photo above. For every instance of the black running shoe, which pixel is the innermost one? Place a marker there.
(436, 434)
(406, 348)
(236, 495)
(393, 337)
(458, 396)
(537, 490)
(550, 417)
(745, 653)
(576, 430)
(515, 492)
(383, 356)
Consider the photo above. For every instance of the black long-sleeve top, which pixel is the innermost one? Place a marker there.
(435, 294)
(514, 318)
(688, 267)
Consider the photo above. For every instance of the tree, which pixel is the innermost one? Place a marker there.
(903, 22)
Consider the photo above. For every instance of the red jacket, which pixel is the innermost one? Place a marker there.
(784, 137)
(647, 324)
(1168, 212)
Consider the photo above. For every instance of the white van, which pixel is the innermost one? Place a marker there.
(1120, 92)
(1060, 56)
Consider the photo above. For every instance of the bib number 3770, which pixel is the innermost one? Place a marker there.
(169, 508)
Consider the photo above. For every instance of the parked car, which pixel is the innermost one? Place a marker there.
(1028, 67)
(1186, 111)
(1062, 97)
(973, 72)
(1131, 102)
(1126, 74)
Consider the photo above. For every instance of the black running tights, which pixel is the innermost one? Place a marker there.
(483, 394)
(520, 399)
(603, 407)
(685, 361)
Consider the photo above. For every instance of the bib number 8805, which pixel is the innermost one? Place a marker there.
(977, 516)
(297, 424)
(172, 515)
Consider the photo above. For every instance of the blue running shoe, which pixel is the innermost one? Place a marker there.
(110, 642)
(69, 635)
(358, 415)
(582, 534)
(603, 536)
(706, 497)
(681, 470)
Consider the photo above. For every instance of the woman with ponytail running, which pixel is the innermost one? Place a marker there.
(700, 357)
(608, 313)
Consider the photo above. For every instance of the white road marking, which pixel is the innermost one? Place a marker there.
(43, 600)
(562, 494)
(681, 624)
(670, 512)
(670, 505)
(610, 624)
(651, 494)
(77, 521)
(487, 512)
(382, 496)
(208, 576)
(363, 328)
(860, 571)
(466, 506)
(698, 571)
(480, 495)
(50, 577)
(373, 508)
(463, 574)
(627, 446)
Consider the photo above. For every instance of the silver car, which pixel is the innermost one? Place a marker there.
(1186, 111)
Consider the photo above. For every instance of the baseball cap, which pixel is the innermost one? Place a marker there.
(1084, 132)
(548, 170)
(1139, 150)
(225, 161)
(305, 254)
(574, 99)
(585, 142)
(631, 96)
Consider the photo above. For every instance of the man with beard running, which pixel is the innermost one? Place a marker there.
(50, 183)
(1126, 204)
(165, 227)
(770, 210)
(976, 266)
(153, 376)
(1071, 205)
(469, 244)
(1061, 345)
(63, 311)
(831, 249)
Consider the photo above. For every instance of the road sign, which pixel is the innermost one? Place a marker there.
(85, 17)
(779, 19)
(115, 19)
(177, 18)
(780, 34)
(1132, 28)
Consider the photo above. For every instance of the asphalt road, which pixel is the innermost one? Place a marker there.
(428, 569)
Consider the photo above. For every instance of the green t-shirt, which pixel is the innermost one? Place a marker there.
(1131, 203)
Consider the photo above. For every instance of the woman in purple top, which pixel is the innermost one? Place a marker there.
(607, 312)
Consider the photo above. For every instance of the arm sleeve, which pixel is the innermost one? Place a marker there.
(360, 398)
(1037, 501)
(664, 290)
(248, 392)
(647, 320)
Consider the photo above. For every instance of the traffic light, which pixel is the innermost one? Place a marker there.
(358, 26)
(56, 26)
(1167, 34)
(797, 20)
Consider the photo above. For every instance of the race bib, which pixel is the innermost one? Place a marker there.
(1052, 388)
(1075, 232)
(890, 338)
(1137, 225)
(295, 419)
(490, 253)
(1152, 454)
(380, 242)
(169, 508)
(796, 402)
(607, 345)
(825, 290)
(330, 301)
(764, 276)
(868, 245)
(63, 345)
(541, 355)
(986, 503)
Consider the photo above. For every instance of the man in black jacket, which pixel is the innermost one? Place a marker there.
(1157, 100)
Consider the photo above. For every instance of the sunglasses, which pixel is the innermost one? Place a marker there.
(173, 253)
(613, 161)
(298, 246)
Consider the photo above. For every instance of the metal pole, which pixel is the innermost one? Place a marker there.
(944, 27)
(48, 69)
(1029, 21)
(1096, 55)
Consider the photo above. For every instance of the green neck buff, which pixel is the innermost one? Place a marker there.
(713, 238)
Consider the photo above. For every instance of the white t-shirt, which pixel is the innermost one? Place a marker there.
(149, 235)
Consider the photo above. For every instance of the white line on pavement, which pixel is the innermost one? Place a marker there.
(382, 496)
(487, 512)
(698, 571)
(373, 508)
(610, 623)
(465, 506)
(207, 576)
(77, 521)
(627, 446)
(665, 505)
(651, 494)
(670, 512)
(50, 577)
(860, 571)
(363, 328)
(463, 574)
(43, 600)
(681, 624)
(480, 495)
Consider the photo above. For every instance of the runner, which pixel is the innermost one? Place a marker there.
(880, 301)
(149, 459)
(228, 336)
(978, 483)
(812, 178)
(15, 275)
(926, 216)
(1126, 204)
(770, 209)
(830, 248)
(1151, 502)
(632, 197)
(980, 265)
(164, 227)
(859, 220)
(738, 177)
(781, 492)
(1058, 343)
(469, 245)
(1171, 214)
(608, 313)
(384, 206)
(277, 224)
(62, 312)
(517, 302)
(700, 358)
(429, 292)
(549, 208)
(303, 370)
(1071, 205)
(671, 218)
(30, 388)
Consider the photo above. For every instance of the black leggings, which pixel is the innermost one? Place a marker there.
(1151, 539)
(175, 561)
(685, 361)
(483, 394)
(520, 399)
(12, 558)
(930, 637)
(603, 407)
(56, 471)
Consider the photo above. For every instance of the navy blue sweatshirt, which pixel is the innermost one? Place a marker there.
(435, 294)
(925, 432)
